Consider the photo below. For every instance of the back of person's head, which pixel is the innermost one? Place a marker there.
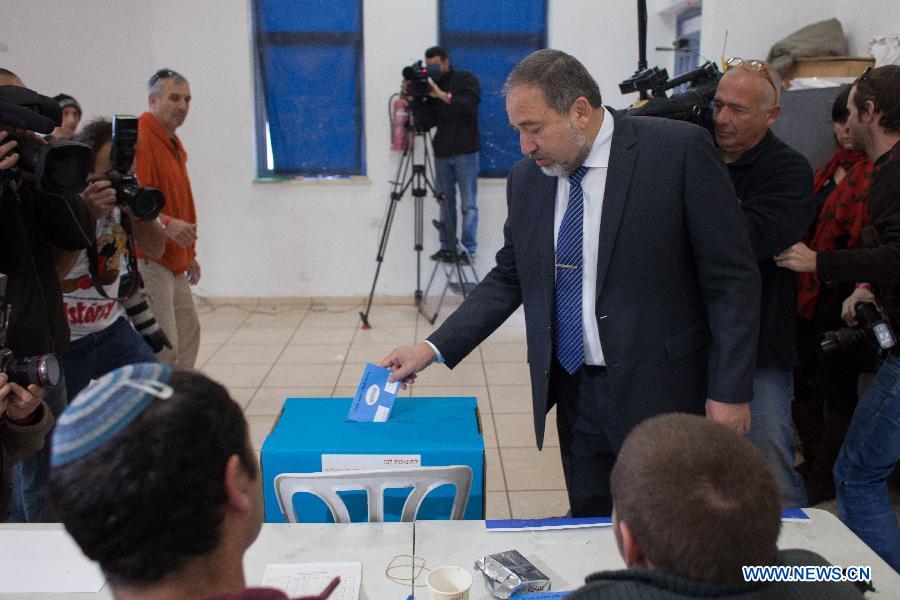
(839, 111)
(7, 77)
(881, 87)
(561, 78)
(698, 498)
(139, 461)
(436, 51)
(94, 134)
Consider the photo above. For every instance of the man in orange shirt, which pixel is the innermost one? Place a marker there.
(161, 162)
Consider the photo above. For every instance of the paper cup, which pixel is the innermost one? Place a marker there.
(449, 583)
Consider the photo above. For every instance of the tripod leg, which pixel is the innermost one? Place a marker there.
(399, 187)
(419, 223)
(382, 246)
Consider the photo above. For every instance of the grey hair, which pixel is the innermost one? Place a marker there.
(560, 77)
(157, 86)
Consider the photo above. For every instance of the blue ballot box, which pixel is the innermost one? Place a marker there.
(314, 435)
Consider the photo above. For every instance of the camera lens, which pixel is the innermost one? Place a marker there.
(42, 370)
(147, 203)
(59, 166)
(48, 370)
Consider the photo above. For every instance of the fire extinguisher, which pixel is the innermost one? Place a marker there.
(399, 119)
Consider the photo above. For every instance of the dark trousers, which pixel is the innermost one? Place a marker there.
(583, 404)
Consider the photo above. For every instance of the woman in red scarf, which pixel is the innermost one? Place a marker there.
(825, 387)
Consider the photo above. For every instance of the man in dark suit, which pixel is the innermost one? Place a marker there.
(626, 244)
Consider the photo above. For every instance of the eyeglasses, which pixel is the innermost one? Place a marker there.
(161, 74)
(752, 64)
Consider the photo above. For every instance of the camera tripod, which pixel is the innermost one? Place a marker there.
(416, 172)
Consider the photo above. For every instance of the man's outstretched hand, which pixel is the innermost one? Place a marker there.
(405, 361)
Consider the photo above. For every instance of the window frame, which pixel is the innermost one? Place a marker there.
(263, 40)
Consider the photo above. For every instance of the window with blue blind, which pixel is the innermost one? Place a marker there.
(309, 64)
(489, 38)
(687, 53)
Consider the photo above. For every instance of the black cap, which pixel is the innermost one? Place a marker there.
(66, 100)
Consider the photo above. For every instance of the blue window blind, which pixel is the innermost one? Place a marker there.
(309, 88)
(489, 38)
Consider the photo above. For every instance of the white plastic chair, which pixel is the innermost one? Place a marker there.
(327, 485)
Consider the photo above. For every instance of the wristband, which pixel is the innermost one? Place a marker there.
(867, 286)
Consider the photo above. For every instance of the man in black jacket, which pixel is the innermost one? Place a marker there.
(694, 504)
(452, 106)
(872, 446)
(37, 230)
(774, 184)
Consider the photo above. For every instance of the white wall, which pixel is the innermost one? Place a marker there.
(867, 19)
(753, 26)
(320, 239)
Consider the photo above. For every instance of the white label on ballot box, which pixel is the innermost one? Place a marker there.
(334, 463)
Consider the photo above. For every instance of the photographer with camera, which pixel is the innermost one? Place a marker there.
(42, 221)
(449, 102)
(872, 445)
(24, 423)
(102, 336)
(161, 162)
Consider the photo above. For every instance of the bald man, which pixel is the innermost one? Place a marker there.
(774, 185)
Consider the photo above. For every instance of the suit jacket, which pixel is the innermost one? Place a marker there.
(677, 281)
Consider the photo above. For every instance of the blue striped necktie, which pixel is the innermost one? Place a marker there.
(569, 262)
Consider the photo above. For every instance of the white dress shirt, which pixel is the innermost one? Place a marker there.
(593, 185)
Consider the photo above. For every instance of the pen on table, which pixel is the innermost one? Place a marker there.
(326, 592)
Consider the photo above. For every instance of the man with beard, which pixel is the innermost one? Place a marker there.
(872, 446)
(652, 308)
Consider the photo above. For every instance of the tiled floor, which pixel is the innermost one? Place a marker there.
(264, 354)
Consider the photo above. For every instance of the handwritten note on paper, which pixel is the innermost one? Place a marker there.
(309, 579)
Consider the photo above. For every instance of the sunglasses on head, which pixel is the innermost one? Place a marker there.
(752, 64)
(161, 74)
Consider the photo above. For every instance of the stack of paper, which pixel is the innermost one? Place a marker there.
(309, 579)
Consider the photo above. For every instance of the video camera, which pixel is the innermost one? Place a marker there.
(145, 203)
(692, 105)
(59, 166)
(417, 74)
(872, 330)
(42, 370)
